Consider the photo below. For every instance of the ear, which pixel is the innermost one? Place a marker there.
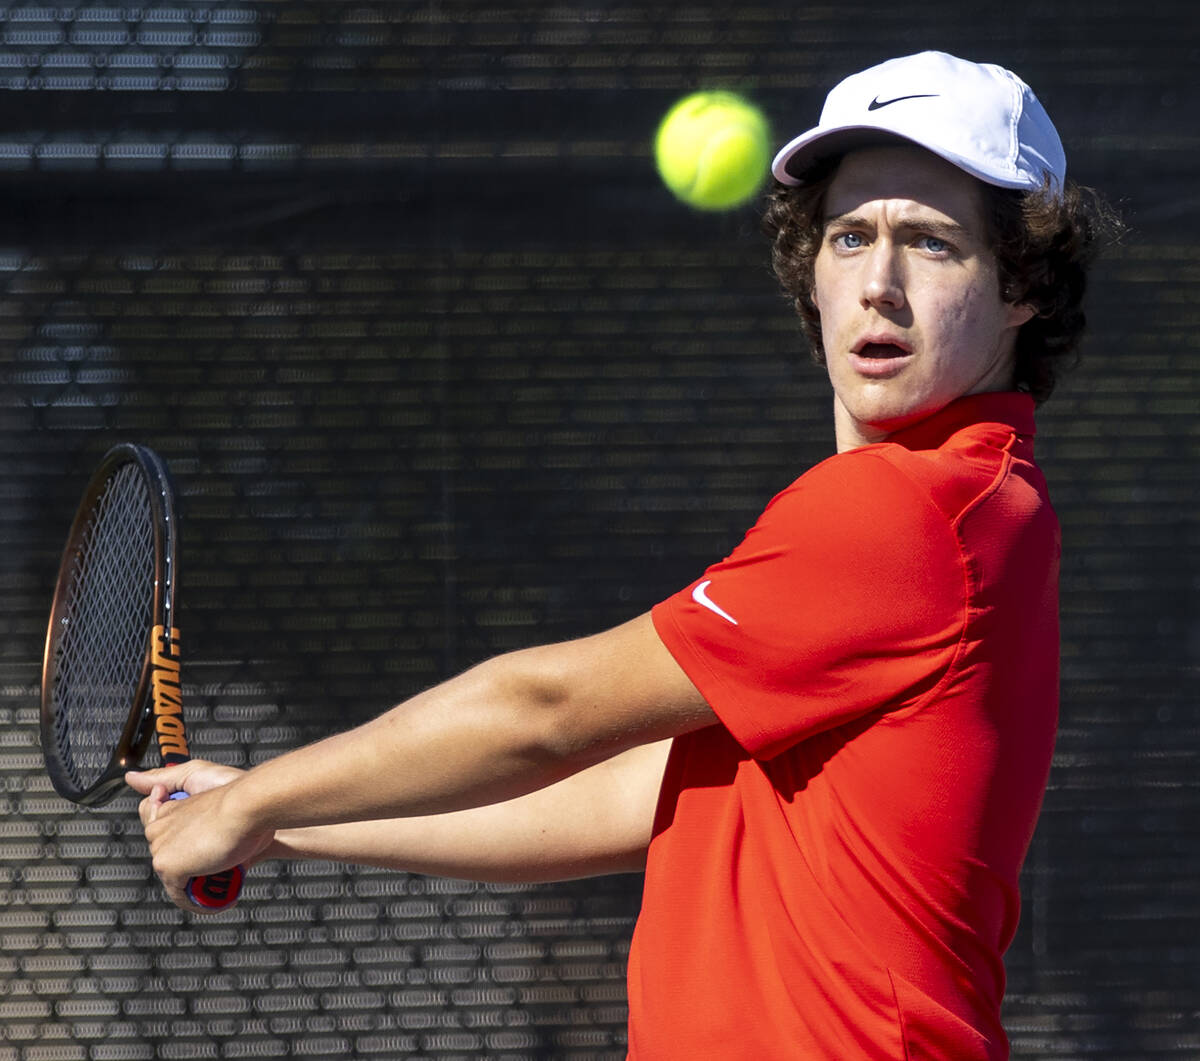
(1019, 313)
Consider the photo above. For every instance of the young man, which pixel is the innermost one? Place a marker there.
(828, 753)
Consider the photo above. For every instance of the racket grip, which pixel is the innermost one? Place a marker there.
(216, 890)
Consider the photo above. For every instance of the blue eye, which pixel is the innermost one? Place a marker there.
(935, 245)
(849, 240)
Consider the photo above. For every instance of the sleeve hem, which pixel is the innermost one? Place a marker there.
(708, 681)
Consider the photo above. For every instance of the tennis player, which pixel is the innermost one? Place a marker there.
(827, 753)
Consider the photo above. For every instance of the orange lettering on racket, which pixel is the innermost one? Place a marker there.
(166, 695)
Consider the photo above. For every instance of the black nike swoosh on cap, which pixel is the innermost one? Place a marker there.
(877, 103)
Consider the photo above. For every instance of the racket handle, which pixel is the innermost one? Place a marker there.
(217, 890)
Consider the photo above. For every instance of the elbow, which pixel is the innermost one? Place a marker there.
(554, 718)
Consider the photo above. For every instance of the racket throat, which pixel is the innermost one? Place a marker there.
(166, 696)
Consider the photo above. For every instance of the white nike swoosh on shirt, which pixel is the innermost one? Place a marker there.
(700, 596)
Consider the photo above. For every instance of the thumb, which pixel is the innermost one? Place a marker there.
(173, 778)
(193, 777)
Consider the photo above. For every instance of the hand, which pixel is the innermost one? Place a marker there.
(200, 835)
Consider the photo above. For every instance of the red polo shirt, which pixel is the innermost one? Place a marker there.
(833, 873)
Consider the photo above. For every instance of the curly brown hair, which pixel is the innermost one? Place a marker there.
(1044, 242)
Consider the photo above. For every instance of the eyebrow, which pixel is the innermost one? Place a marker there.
(948, 230)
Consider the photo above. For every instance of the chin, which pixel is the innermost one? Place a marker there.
(892, 416)
(882, 419)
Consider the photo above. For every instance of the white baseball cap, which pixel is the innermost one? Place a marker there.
(982, 118)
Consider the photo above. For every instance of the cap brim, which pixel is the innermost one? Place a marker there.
(798, 157)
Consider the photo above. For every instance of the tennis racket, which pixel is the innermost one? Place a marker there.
(110, 671)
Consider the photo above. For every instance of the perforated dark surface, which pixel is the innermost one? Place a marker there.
(441, 370)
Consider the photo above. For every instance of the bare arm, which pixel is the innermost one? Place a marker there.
(502, 730)
(594, 822)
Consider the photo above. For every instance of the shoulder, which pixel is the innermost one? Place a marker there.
(851, 525)
(892, 482)
(862, 488)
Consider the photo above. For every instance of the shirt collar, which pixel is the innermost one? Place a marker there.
(1007, 409)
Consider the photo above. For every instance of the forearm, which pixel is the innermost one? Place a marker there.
(514, 726)
(456, 746)
(595, 822)
(506, 728)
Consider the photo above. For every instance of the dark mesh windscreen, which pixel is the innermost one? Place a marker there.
(442, 370)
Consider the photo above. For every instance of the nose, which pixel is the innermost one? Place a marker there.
(883, 281)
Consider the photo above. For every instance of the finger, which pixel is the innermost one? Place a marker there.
(177, 893)
(193, 777)
(176, 890)
(161, 808)
(149, 807)
(144, 780)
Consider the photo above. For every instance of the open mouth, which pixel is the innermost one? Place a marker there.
(879, 360)
(882, 350)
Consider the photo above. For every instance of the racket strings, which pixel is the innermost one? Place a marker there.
(106, 623)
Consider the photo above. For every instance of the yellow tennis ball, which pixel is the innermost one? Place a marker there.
(713, 149)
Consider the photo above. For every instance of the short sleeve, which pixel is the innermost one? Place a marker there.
(846, 598)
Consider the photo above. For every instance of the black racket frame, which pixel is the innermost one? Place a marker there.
(139, 726)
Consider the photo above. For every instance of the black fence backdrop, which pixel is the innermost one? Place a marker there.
(442, 370)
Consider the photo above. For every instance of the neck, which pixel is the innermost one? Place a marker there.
(849, 433)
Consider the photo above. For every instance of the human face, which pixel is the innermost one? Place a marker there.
(908, 293)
